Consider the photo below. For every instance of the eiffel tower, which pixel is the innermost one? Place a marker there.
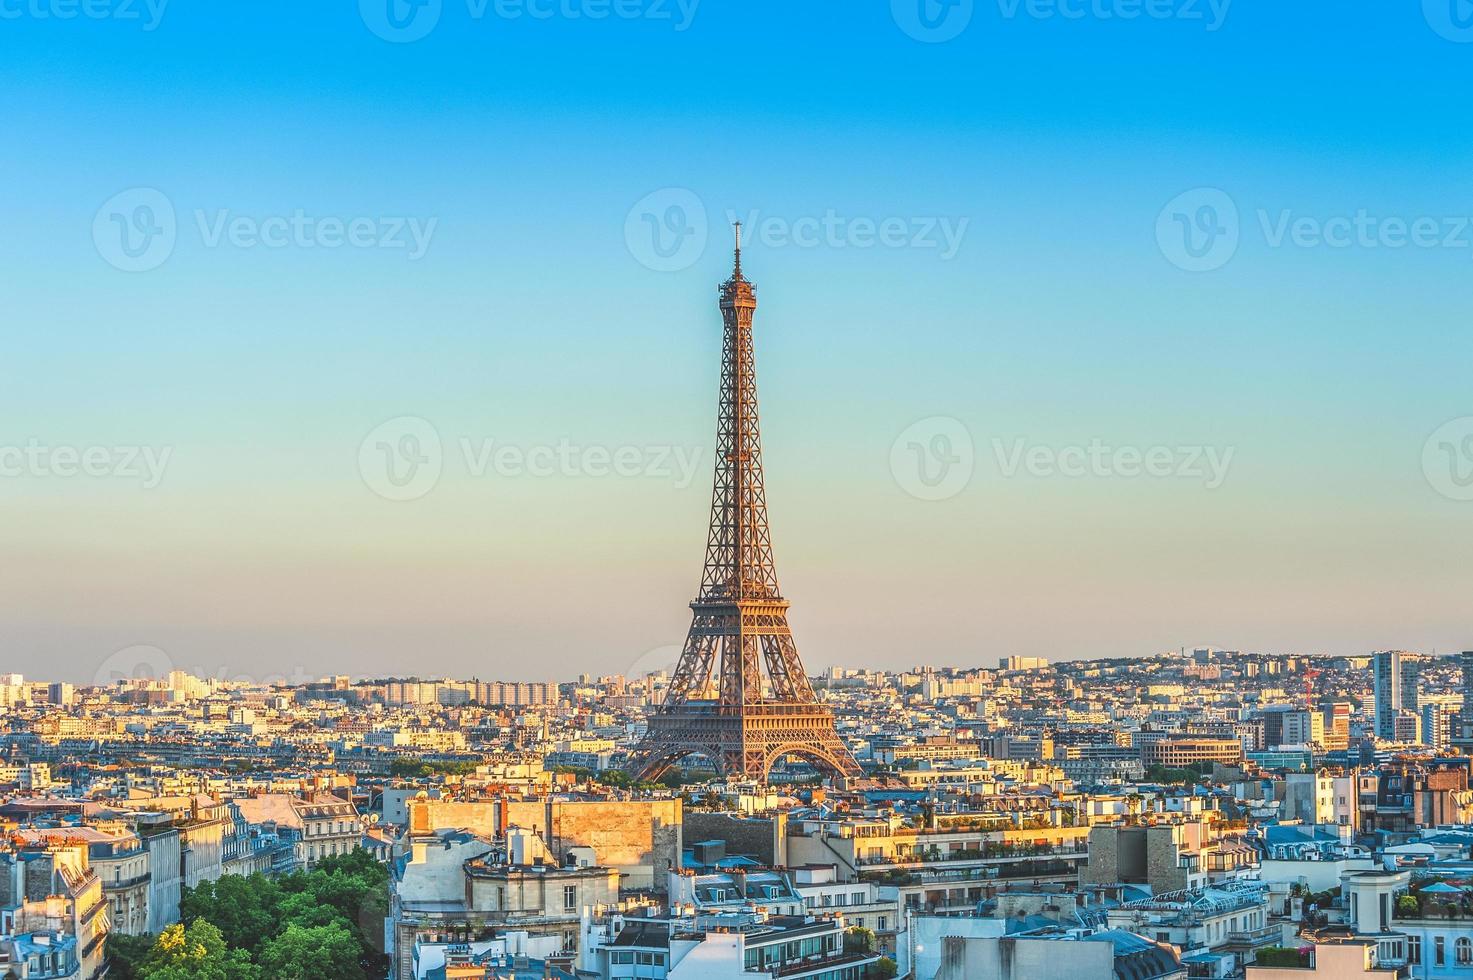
(760, 705)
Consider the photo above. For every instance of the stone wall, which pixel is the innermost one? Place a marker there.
(759, 838)
(640, 838)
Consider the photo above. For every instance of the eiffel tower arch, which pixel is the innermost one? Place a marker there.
(739, 694)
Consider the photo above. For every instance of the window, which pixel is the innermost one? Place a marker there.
(1439, 955)
(570, 897)
(1463, 951)
(1414, 950)
(623, 959)
(882, 923)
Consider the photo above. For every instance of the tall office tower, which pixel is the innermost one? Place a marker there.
(739, 694)
(1410, 680)
(1438, 717)
(1337, 725)
(1465, 661)
(1303, 728)
(1387, 674)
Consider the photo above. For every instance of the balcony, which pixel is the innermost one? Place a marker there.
(126, 883)
(819, 962)
(1255, 938)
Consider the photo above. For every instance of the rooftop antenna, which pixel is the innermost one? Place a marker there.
(737, 273)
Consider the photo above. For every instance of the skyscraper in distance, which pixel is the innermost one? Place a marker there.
(1386, 673)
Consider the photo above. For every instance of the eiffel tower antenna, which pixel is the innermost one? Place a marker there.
(739, 694)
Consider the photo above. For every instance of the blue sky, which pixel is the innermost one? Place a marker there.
(1062, 150)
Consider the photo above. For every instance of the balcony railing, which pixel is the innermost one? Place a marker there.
(1266, 936)
(818, 961)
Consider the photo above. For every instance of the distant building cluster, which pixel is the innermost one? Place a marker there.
(1203, 813)
(469, 692)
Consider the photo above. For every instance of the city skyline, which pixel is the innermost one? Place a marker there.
(981, 244)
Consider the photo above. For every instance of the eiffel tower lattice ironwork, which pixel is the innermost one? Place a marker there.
(739, 695)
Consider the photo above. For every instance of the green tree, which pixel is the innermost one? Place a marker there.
(339, 905)
(195, 952)
(244, 909)
(306, 910)
(328, 952)
(859, 940)
(355, 886)
(884, 969)
(125, 955)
